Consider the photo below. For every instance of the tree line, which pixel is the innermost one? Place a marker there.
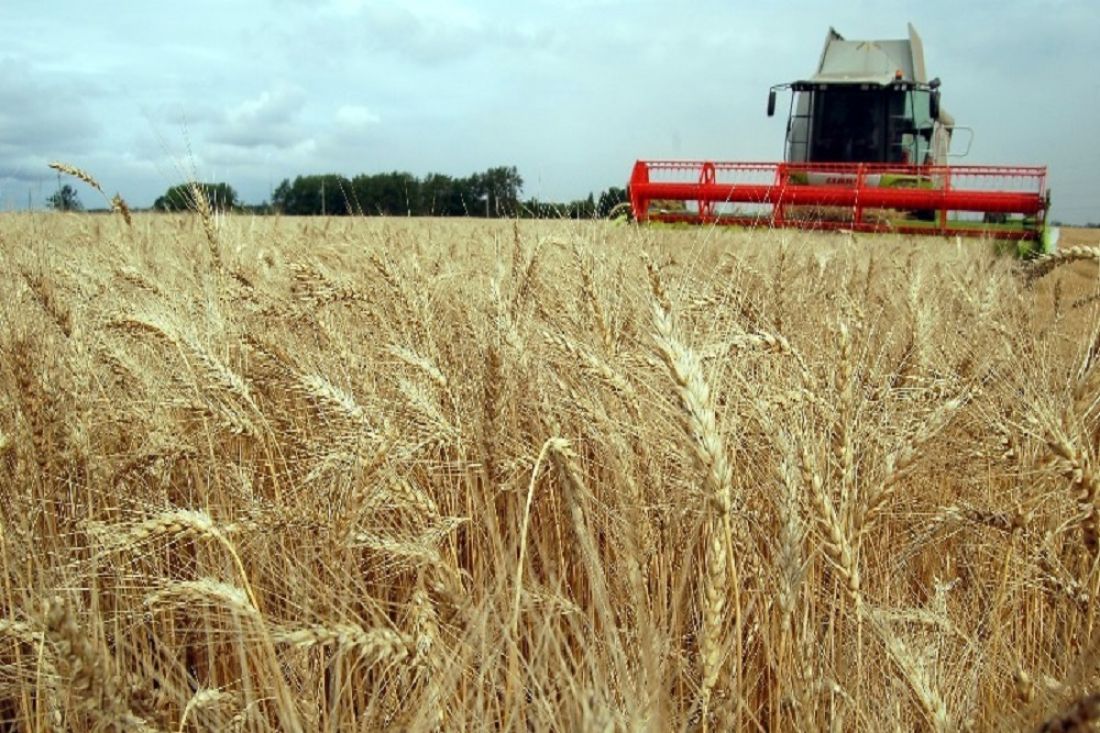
(492, 193)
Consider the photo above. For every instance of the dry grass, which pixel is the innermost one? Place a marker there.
(270, 474)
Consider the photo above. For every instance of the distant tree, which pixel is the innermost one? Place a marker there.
(280, 196)
(440, 195)
(498, 188)
(582, 208)
(330, 194)
(65, 199)
(492, 193)
(609, 199)
(390, 194)
(221, 197)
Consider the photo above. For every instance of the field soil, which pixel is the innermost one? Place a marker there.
(1079, 236)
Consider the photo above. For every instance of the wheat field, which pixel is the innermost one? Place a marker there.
(382, 474)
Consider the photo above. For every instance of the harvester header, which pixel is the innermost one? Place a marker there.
(867, 149)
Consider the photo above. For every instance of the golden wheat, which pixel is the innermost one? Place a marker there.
(374, 474)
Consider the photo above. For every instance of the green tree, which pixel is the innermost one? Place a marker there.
(389, 194)
(330, 194)
(439, 196)
(609, 199)
(582, 208)
(65, 199)
(221, 196)
(499, 189)
(492, 193)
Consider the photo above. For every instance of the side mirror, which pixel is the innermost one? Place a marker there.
(771, 103)
(934, 104)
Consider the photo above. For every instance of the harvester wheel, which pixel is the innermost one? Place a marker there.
(621, 211)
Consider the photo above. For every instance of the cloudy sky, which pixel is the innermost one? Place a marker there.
(143, 94)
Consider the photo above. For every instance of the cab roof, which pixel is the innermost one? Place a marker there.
(871, 62)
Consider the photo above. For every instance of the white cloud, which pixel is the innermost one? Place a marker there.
(270, 119)
(356, 117)
(271, 106)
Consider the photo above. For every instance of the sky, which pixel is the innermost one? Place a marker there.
(146, 94)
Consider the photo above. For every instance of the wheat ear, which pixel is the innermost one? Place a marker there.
(1047, 263)
(116, 202)
(77, 173)
(699, 424)
(177, 523)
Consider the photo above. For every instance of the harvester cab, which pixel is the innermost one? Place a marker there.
(867, 148)
(869, 102)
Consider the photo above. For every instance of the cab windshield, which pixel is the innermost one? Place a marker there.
(854, 125)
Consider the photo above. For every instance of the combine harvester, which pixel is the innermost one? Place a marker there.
(867, 150)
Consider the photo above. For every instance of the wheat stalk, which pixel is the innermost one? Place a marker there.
(87, 672)
(1080, 716)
